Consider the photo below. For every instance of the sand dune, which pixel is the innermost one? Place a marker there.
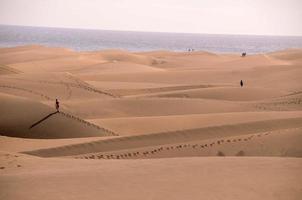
(174, 125)
(19, 114)
(159, 89)
(25, 54)
(269, 143)
(288, 102)
(290, 54)
(117, 68)
(177, 178)
(16, 144)
(228, 93)
(171, 137)
(50, 86)
(254, 61)
(124, 56)
(132, 107)
(56, 64)
(146, 125)
(7, 70)
(116, 86)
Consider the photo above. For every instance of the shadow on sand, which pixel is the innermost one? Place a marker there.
(40, 121)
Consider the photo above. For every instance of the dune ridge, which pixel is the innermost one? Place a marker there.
(60, 125)
(243, 145)
(171, 137)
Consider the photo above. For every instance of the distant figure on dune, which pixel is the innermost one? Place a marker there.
(57, 105)
(241, 83)
(243, 54)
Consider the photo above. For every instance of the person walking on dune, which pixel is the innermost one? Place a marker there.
(241, 83)
(57, 105)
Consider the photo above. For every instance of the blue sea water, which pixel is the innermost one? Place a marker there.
(90, 40)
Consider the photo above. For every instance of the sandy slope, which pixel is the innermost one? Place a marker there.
(149, 125)
(172, 137)
(18, 115)
(178, 178)
(227, 93)
(30, 53)
(144, 125)
(15, 144)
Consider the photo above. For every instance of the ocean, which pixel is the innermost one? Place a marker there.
(91, 40)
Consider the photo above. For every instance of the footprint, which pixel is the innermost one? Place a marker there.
(240, 153)
(219, 153)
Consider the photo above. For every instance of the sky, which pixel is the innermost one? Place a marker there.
(253, 17)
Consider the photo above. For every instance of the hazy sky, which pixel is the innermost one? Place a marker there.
(264, 17)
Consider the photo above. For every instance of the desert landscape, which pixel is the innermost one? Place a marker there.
(149, 125)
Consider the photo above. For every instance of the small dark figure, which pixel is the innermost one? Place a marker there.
(241, 83)
(57, 105)
(243, 54)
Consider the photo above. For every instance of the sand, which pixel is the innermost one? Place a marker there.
(149, 125)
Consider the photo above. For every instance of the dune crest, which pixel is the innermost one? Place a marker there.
(31, 119)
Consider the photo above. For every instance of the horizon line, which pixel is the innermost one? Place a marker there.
(141, 31)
